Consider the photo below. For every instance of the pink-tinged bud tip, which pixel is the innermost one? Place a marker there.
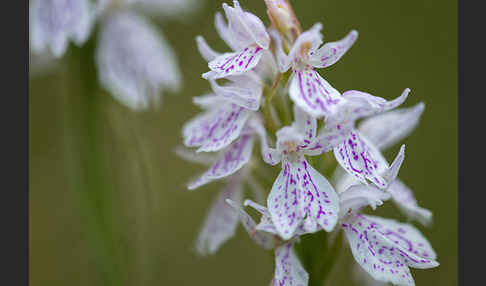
(283, 18)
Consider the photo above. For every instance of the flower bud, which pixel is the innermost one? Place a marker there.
(283, 18)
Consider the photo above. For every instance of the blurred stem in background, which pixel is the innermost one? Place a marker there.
(90, 173)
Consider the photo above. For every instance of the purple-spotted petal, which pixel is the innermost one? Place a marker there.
(361, 277)
(284, 201)
(246, 95)
(386, 249)
(408, 238)
(234, 63)
(288, 270)
(404, 198)
(205, 50)
(319, 200)
(313, 94)
(386, 129)
(216, 128)
(265, 240)
(361, 160)
(232, 159)
(221, 221)
(331, 52)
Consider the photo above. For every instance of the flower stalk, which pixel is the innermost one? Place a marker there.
(269, 117)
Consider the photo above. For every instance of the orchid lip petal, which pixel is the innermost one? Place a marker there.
(386, 249)
(283, 202)
(313, 94)
(288, 269)
(319, 200)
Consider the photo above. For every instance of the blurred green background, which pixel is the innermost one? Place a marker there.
(108, 202)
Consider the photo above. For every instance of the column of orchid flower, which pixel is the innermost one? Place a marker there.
(266, 65)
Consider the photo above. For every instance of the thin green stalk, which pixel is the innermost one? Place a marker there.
(267, 111)
(283, 108)
(325, 265)
(87, 159)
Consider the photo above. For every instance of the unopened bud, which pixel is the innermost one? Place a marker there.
(283, 18)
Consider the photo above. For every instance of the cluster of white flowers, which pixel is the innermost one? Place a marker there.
(236, 115)
(135, 62)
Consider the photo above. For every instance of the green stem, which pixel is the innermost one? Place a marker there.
(267, 112)
(317, 256)
(325, 265)
(87, 160)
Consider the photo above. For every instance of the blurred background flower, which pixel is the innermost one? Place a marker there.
(108, 199)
